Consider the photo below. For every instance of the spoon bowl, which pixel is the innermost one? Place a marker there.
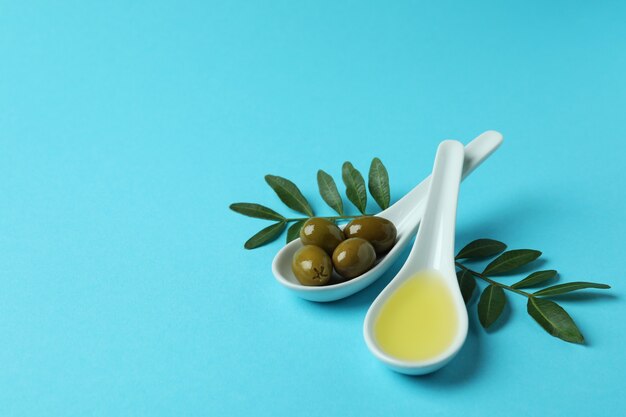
(431, 258)
(405, 214)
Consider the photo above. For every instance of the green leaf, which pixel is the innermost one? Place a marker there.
(511, 260)
(554, 319)
(294, 230)
(569, 287)
(378, 183)
(491, 305)
(355, 186)
(289, 194)
(481, 248)
(535, 278)
(256, 210)
(266, 235)
(328, 191)
(467, 284)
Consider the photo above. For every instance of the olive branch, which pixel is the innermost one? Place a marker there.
(550, 316)
(292, 197)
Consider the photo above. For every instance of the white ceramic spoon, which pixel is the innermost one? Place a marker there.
(433, 253)
(405, 214)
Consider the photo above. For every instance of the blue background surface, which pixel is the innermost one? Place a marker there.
(126, 129)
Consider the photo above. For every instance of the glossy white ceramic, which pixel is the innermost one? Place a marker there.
(406, 214)
(433, 250)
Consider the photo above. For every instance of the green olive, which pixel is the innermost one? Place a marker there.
(312, 266)
(354, 256)
(381, 233)
(321, 232)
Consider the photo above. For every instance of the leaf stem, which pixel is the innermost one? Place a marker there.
(489, 280)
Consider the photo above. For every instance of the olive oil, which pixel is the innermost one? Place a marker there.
(418, 321)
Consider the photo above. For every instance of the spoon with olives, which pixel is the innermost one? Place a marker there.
(419, 321)
(321, 284)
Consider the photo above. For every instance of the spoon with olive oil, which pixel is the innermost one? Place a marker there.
(405, 214)
(419, 321)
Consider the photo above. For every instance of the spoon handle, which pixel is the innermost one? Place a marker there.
(480, 149)
(434, 244)
(476, 152)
